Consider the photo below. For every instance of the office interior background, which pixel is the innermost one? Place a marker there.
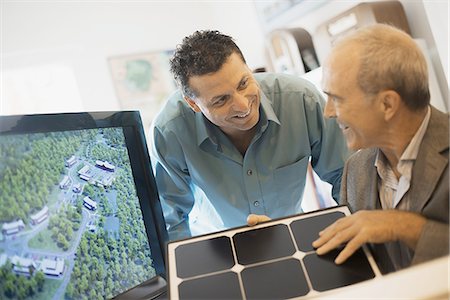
(66, 56)
(71, 56)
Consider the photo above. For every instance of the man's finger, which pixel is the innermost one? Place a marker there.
(349, 249)
(253, 219)
(334, 239)
(334, 231)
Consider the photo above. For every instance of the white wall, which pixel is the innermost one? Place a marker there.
(67, 43)
(430, 21)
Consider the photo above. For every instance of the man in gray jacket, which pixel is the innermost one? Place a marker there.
(398, 183)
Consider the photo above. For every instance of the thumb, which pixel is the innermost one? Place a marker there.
(253, 219)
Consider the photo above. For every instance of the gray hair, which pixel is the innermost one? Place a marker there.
(390, 59)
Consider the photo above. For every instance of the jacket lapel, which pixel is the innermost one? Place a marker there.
(374, 195)
(430, 162)
(370, 188)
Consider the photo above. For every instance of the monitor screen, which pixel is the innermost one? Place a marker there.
(80, 215)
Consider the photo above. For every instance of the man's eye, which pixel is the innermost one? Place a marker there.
(220, 101)
(332, 98)
(243, 84)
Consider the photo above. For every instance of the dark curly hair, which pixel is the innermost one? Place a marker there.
(201, 53)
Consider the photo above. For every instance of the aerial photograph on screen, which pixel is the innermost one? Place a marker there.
(71, 224)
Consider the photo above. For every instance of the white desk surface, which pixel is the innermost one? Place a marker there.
(428, 280)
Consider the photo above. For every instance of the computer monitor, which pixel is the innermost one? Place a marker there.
(80, 215)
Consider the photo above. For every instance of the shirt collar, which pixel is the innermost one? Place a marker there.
(382, 165)
(206, 129)
(267, 108)
(411, 150)
(201, 123)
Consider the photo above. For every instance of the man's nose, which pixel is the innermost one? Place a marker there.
(329, 111)
(240, 103)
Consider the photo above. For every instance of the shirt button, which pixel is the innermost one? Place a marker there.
(249, 172)
(256, 203)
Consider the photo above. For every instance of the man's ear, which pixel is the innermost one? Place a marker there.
(390, 102)
(192, 104)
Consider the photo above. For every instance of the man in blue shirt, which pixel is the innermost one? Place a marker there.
(236, 141)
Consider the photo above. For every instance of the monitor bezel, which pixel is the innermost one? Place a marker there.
(131, 123)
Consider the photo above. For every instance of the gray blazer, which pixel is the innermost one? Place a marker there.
(429, 189)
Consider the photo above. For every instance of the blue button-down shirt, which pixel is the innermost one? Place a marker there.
(193, 160)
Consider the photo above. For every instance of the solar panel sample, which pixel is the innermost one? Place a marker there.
(263, 244)
(326, 275)
(214, 254)
(273, 260)
(286, 275)
(307, 230)
(217, 286)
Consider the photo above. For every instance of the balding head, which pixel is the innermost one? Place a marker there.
(388, 59)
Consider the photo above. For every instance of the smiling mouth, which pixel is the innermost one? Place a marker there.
(244, 115)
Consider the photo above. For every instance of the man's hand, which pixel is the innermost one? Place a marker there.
(377, 226)
(253, 219)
